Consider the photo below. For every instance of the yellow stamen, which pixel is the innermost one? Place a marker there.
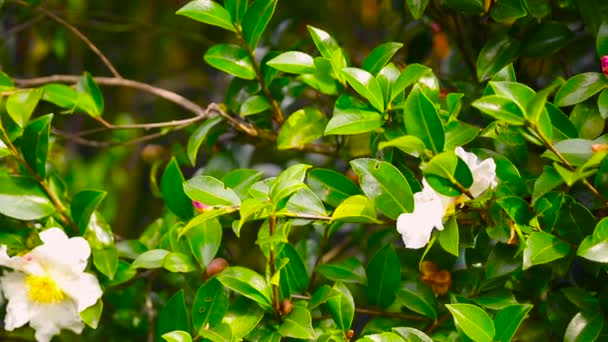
(43, 289)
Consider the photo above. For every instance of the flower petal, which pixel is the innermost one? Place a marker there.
(416, 227)
(50, 319)
(57, 249)
(84, 289)
(484, 172)
(19, 309)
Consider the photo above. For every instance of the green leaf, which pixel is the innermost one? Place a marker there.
(150, 259)
(254, 105)
(355, 209)
(379, 56)
(602, 103)
(91, 315)
(548, 180)
(60, 95)
(417, 7)
(579, 88)
(173, 316)
(23, 199)
(449, 237)
(386, 78)
(517, 208)
(210, 191)
(382, 337)
(409, 144)
(332, 187)
(584, 326)
(237, 9)
(177, 336)
(4, 151)
(173, 191)
(601, 41)
(178, 262)
(496, 300)
(383, 276)
(587, 120)
(342, 307)
(35, 145)
(256, 19)
(91, 98)
(302, 127)
(543, 248)
(6, 83)
(422, 120)
(410, 75)
(547, 39)
(458, 133)
(105, 258)
(288, 182)
(412, 335)
(501, 108)
(294, 276)
(304, 202)
(508, 320)
(298, 324)
(231, 59)
(221, 333)
(21, 105)
(197, 138)
(293, 62)
(204, 217)
(467, 6)
(247, 283)
(205, 240)
(473, 321)
(419, 298)
(385, 185)
(595, 247)
(324, 42)
(495, 54)
(210, 304)
(208, 12)
(348, 271)
(507, 11)
(448, 174)
(243, 316)
(366, 85)
(352, 116)
(83, 205)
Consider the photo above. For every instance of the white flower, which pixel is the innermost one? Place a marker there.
(430, 207)
(48, 287)
(484, 172)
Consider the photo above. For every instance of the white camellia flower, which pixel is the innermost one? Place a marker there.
(48, 287)
(430, 207)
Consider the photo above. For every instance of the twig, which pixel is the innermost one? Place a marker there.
(437, 323)
(389, 314)
(77, 33)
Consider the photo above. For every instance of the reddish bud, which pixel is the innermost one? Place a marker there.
(216, 266)
(605, 65)
(152, 153)
(286, 307)
(428, 268)
(599, 147)
(200, 207)
(350, 334)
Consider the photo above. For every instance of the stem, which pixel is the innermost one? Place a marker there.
(272, 223)
(278, 114)
(437, 323)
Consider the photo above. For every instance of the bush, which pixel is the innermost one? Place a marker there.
(448, 183)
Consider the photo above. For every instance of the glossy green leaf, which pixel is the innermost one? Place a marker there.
(352, 116)
(385, 185)
(543, 248)
(208, 12)
(36, 143)
(204, 217)
(332, 187)
(508, 320)
(298, 324)
(501, 108)
(60, 95)
(422, 120)
(342, 307)
(517, 209)
(383, 277)
(547, 39)
(324, 42)
(356, 209)
(177, 336)
(220, 333)
(386, 78)
(381, 337)
(243, 316)
(150, 259)
(595, 247)
(302, 127)
(448, 174)
(449, 237)
(6, 83)
(412, 335)
(409, 144)
(173, 316)
(379, 56)
(601, 41)
(256, 19)
(587, 120)
(507, 11)
(548, 180)
(417, 7)
(210, 304)
(247, 283)
(23, 199)
(584, 326)
(240, 180)
(231, 59)
(173, 191)
(366, 85)
(210, 191)
(205, 240)
(294, 276)
(602, 103)
(495, 54)
(579, 88)
(304, 202)
(294, 62)
(91, 98)
(91, 315)
(21, 105)
(83, 205)
(254, 105)
(458, 133)
(237, 9)
(288, 182)
(419, 298)
(348, 271)
(410, 75)
(178, 262)
(473, 321)
(199, 136)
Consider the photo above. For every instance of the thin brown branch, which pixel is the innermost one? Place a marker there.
(77, 33)
(437, 323)
(397, 315)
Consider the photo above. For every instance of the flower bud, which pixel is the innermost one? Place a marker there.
(152, 153)
(200, 207)
(599, 147)
(286, 307)
(605, 65)
(216, 266)
(350, 334)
